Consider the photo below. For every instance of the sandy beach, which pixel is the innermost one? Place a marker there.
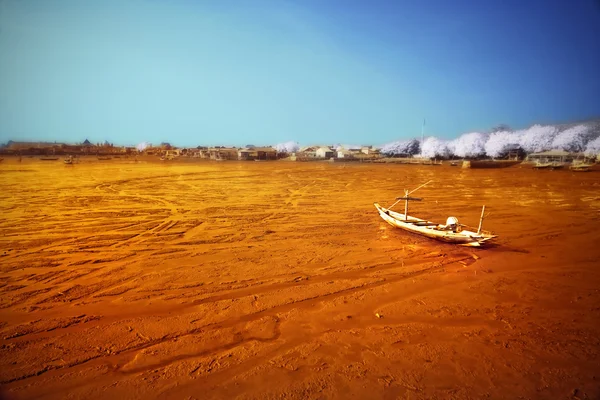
(273, 280)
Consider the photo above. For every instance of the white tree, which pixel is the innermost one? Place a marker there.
(469, 145)
(593, 148)
(287, 147)
(143, 146)
(401, 147)
(340, 147)
(434, 147)
(499, 142)
(394, 148)
(572, 139)
(537, 138)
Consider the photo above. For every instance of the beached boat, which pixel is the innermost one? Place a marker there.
(490, 163)
(580, 167)
(451, 232)
(432, 162)
(548, 165)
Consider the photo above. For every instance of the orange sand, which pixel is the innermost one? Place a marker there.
(263, 280)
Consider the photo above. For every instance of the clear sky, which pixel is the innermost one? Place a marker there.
(194, 72)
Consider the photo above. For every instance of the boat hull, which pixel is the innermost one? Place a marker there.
(432, 230)
(548, 166)
(490, 163)
(580, 167)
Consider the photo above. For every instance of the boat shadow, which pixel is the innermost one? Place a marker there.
(495, 246)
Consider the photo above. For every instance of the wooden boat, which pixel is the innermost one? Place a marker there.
(547, 165)
(451, 232)
(580, 167)
(432, 162)
(490, 163)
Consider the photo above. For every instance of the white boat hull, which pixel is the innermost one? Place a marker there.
(432, 230)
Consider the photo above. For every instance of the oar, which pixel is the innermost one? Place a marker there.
(420, 187)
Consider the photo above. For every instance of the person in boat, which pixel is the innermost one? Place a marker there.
(451, 225)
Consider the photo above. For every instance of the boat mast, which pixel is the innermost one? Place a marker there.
(422, 136)
(481, 220)
(406, 205)
(407, 198)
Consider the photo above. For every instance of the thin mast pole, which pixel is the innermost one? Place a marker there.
(422, 135)
(481, 220)
(406, 205)
(406, 194)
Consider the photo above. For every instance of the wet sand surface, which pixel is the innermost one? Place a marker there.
(264, 280)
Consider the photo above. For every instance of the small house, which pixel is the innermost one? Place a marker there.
(560, 156)
(171, 153)
(265, 153)
(223, 153)
(369, 150)
(343, 153)
(245, 154)
(324, 152)
(257, 153)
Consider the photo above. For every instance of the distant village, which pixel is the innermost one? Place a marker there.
(166, 151)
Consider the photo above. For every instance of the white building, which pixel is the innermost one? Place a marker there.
(343, 153)
(324, 152)
(369, 150)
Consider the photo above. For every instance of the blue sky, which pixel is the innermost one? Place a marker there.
(313, 71)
